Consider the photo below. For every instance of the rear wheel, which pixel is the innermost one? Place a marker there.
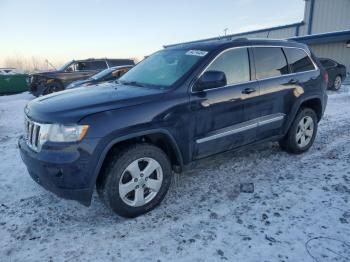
(337, 83)
(302, 133)
(135, 180)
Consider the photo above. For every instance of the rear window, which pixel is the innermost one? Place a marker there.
(299, 60)
(96, 65)
(327, 63)
(91, 65)
(270, 62)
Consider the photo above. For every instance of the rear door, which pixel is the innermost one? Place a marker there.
(220, 122)
(281, 83)
(276, 90)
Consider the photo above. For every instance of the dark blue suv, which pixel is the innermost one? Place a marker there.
(181, 104)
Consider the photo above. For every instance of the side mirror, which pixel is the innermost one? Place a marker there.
(210, 79)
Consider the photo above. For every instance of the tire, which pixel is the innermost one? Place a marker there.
(126, 180)
(301, 127)
(52, 88)
(337, 83)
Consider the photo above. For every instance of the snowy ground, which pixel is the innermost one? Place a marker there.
(300, 210)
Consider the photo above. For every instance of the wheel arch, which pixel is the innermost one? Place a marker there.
(314, 102)
(159, 137)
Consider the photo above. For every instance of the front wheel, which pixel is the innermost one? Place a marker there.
(53, 87)
(302, 133)
(135, 180)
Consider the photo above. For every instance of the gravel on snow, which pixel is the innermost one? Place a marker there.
(257, 204)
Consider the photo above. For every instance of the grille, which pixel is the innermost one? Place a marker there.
(32, 134)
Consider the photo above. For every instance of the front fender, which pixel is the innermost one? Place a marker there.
(107, 145)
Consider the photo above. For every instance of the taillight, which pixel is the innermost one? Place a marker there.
(326, 77)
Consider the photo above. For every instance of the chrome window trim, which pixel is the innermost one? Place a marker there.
(244, 126)
(254, 80)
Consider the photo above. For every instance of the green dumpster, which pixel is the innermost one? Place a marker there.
(13, 83)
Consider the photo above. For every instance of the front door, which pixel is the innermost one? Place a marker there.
(220, 121)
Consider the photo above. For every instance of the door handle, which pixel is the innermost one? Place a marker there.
(248, 91)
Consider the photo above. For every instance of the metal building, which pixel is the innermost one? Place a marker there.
(325, 28)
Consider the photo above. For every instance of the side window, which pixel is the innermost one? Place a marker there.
(270, 62)
(299, 60)
(80, 66)
(235, 64)
(97, 65)
(71, 68)
(120, 62)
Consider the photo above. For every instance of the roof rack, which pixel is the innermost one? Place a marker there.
(216, 39)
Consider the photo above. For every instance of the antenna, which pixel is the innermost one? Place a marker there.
(225, 31)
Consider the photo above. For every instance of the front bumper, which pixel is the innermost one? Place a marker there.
(63, 171)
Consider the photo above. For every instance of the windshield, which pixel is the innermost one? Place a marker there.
(163, 68)
(102, 74)
(62, 68)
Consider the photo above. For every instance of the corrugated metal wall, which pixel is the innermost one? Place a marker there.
(331, 15)
(336, 51)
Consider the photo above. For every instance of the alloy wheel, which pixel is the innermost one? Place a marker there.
(337, 83)
(305, 131)
(140, 182)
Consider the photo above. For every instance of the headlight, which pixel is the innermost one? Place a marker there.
(62, 133)
(49, 81)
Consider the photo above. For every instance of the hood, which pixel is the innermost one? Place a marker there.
(70, 106)
(78, 83)
(46, 73)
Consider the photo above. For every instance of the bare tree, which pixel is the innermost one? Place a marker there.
(32, 64)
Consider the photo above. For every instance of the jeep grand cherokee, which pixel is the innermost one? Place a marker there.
(181, 104)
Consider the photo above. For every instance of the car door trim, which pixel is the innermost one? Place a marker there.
(245, 126)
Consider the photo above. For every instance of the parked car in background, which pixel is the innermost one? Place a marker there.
(9, 71)
(336, 73)
(12, 81)
(52, 81)
(179, 105)
(109, 74)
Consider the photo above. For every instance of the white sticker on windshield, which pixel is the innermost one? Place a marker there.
(196, 52)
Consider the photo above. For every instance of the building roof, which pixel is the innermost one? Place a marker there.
(329, 37)
(237, 35)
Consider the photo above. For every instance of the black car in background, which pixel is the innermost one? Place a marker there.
(109, 74)
(336, 73)
(52, 81)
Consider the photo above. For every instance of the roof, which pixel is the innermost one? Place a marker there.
(224, 43)
(329, 37)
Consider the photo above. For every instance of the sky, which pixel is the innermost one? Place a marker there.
(62, 30)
